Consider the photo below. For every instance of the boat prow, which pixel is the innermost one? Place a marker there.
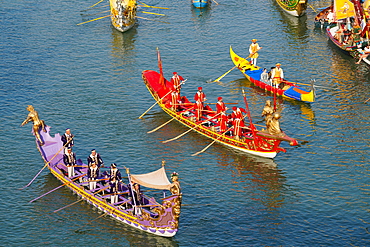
(200, 4)
(289, 90)
(295, 7)
(241, 63)
(322, 18)
(123, 14)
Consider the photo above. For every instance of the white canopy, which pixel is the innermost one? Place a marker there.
(155, 180)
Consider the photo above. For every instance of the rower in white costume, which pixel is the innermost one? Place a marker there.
(95, 157)
(114, 178)
(92, 175)
(69, 159)
(67, 139)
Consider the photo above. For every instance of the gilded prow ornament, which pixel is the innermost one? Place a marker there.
(272, 117)
(268, 110)
(273, 125)
(37, 122)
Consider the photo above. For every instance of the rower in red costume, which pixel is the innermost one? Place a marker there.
(223, 119)
(198, 106)
(176, 81)
(200, 95)
(220, 106)
(238, 113)
(175, 100)
(238, 127)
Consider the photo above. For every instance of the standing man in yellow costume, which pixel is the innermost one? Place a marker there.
(253, 48)
(277, 75)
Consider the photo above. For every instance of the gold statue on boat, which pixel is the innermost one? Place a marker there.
(37, 122)
(272, 117)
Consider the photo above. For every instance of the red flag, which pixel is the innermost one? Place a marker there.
(161, 78)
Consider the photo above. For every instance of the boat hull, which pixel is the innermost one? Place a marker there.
(253, 74)
(295, 8)
(199, 4)
(263, 145)
(164, 224)
(351, 50)
(123, 14)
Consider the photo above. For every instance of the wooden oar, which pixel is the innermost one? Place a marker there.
(93, 20)
(160, 126)
(151, 13)
(153, 7)
(310, 85)
(95, 13)
(177, 137)
(224, 103)
(215, 2)
(91, 221)
(68, 205)
(79, 200)
(312, 8)
(46, 164)
(96, 4)
(148, 6)
(58, 187)
(96, 180)
(160, 100)
(204, 149)
(94, 8)
(151, 19)
(141, 116)
(367, 100)
(218, 79)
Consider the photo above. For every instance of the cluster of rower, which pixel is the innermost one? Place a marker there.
(111, 179)
(228, 124)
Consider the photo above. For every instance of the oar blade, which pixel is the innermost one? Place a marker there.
(151, 131)
(204, 149)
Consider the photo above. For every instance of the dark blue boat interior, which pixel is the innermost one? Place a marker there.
(255, 74)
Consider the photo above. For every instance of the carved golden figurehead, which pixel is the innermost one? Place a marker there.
(273, 125)
(268, 110)
(37, 123)
(175, 187)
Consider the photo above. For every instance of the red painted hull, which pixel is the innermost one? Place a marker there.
(260, 143)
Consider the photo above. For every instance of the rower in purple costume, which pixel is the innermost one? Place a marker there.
(95, 157)
(114, 177)
(135, 196)
(92, 175)
(69, 159)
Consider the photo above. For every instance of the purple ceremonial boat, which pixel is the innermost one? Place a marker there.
(144, 214)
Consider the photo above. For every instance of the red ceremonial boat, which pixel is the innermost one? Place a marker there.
(261, 143)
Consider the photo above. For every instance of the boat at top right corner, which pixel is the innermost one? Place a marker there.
(286, 89)
(347, 27)
(293, 7)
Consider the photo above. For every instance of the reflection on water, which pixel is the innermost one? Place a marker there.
(200, 16)
(343, 70)
(257, 178)
(123, 48)
(296, 27)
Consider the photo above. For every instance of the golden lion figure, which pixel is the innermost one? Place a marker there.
(37, 123)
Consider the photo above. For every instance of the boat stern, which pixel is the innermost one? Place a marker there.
(300, 94)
